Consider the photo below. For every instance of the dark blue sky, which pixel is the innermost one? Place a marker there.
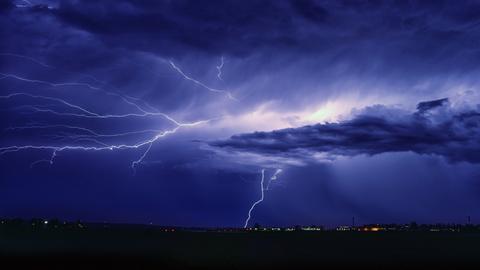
(169, 111)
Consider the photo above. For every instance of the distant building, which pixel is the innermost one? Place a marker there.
(312, 228)
(344, 228)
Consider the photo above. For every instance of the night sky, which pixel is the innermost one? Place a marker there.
(177, 112)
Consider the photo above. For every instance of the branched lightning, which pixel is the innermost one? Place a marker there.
(52, 84)
(86, 135)
(89, 132)
(89, 114)
(56, 149)
(188, 78)
(40, 63)
(138, 161)
(27, 58)
(257, 202)
(124, 98)
(83, 138)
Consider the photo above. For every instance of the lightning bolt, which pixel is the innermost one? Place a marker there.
(40, 161)
(52, 84)
(27, 58)
(125, 99)
(92, 87)
(219, 69)
(138, 161)
(27, 4)
(56, 149)
(87, 139)
(42, 64)
(89, 135)
(188, 78)
(257, 202)
(90, 114)
(92, 135)
(96, 88)
(273, 178)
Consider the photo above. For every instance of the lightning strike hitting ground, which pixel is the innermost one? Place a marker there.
(257, 202)
(81, 138)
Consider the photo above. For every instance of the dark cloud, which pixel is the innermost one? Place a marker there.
(310, 10)
(5, 5)
(392, 29)
(428, 105)
(314, 42)
(440, 132)
(168, 28)
(281, 58)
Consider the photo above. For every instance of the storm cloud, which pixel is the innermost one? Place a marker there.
(324, 48)
(411, 30)
(432, 129)
(289, 64)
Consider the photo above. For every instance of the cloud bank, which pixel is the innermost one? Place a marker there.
(435, 128)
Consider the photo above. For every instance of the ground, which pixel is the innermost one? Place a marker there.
(141, 248)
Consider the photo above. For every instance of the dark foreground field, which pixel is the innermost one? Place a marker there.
(141, 248)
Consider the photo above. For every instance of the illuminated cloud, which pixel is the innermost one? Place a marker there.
(100, 74)
(433, 129)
